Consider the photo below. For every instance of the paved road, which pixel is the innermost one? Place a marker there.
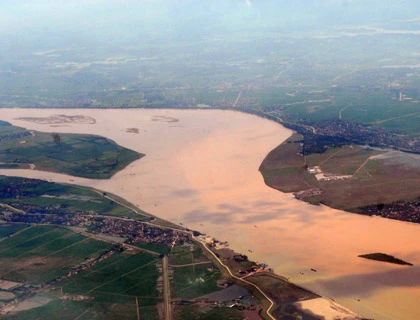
(240, 279)
(166, 289)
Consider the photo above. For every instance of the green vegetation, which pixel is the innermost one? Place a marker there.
(154, 247)
(384, 258)
(7, 230)
(284, 295)
(297, 75)
(39, 254)
(183, 255)
(107, 290)
(85, 156)
(38, 196)
(209, 313)
(122, 276)
(114, 284)
(194, 281)
(348, 178)
(72, 309)
(284, 168)
(69, 307)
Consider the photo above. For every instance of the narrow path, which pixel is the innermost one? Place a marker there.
(237, 99)
(116, 201)
(137, 308)
(27, 240)
(96, 237)
(190, 264)
(240, 279)
(395, 118)
(340, 115)
(345, 74)
(166, 289)
(328, 158)
(82, 314)
(7, 206)
(16, 233)
(371, 158)
(121, 276)
(71, 245)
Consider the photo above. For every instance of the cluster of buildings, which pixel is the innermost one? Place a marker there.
(137, 232)
(134, 231)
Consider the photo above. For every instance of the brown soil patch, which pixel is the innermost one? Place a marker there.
(60, 119)
(164, 119)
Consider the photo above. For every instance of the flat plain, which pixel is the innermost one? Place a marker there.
(79, 155)
(348, 178)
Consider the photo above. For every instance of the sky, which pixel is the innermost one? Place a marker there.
(72, 15)
(45, 22)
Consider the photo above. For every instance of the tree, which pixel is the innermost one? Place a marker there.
(56, 137)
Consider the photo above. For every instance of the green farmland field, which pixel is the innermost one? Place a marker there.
(39, 254)
(85, 156)
(31, 195)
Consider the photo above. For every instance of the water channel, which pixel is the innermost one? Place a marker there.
(201, 169)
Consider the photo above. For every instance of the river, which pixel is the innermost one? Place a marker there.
(201, 169)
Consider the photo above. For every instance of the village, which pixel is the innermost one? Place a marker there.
(128, 230)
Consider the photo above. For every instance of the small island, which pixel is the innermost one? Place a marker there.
(80, 155)
(384, 258)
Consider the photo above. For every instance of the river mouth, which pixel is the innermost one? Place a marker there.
(202, 171)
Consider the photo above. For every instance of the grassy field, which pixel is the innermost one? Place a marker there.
(283, 294)
(284, 168)
(196, 313)
(106, 291)
(7, 230)
(373, 177)
(194, 281)
(183, 255)
(33, 195)
(154, 247)
(120, 277)
(85, 156)
(39, 254)
(73, 309)
(191, 280)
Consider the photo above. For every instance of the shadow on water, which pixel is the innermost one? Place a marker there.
(365, 285)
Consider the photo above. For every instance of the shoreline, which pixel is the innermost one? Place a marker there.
(309, 182)
(164, 224)
(287, 267)
(154, 217)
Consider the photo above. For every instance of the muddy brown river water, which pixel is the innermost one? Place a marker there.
(201, 169)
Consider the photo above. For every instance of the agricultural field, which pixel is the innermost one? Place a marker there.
(268, 70)
(195, 280)
(78, 155)
(195, 312)
(7, 230)
(348, 178)
(123, 285)
(186, 254)
(112, 289)
(284, 294)
(42, 197)
(39, 254)
(200, 290)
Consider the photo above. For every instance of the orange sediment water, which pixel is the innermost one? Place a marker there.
(202, 171)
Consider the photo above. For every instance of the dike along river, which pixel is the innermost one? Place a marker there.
(201, 169)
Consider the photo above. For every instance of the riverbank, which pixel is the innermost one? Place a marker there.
(202, 172)
(351, 178)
